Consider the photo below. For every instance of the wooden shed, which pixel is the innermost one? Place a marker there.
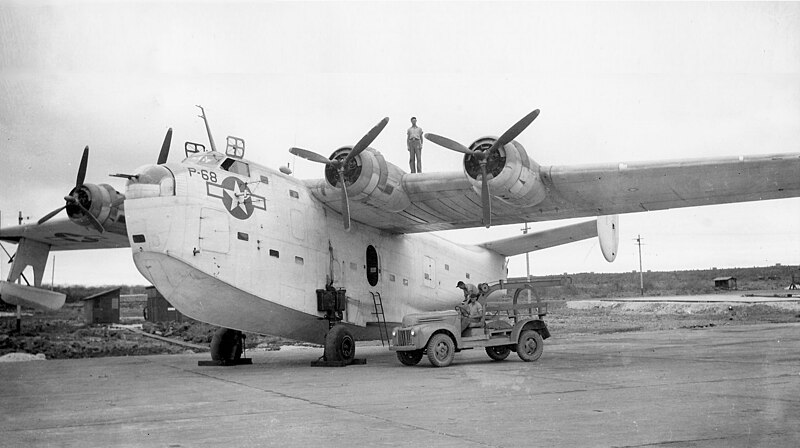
(725, 283)
(159, 309)
(102, 308)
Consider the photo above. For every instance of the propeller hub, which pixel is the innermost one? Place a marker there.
(351, 171)
(495, 160)
(78, 201)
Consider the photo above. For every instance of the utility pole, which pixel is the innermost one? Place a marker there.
(527, 256)
(527, 264)
(641, 275)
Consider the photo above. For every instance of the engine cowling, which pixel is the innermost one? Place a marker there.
(513, 176)
(102, 201)
(369, 179)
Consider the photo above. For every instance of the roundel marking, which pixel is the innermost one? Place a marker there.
(237, 198)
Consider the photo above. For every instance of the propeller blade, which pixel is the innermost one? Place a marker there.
(449, 144)
(310, 155)
(515, 130)
(95, 223)
(345, 201)
(50, 215)
(486, 199)
(162, 156)
(366, 140)
(82, 168)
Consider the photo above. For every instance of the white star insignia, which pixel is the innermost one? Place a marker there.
(237, 197)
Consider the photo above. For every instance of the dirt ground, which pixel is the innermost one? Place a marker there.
(63, 333)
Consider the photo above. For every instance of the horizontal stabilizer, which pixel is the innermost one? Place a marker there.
(542, 240)
(30, 297)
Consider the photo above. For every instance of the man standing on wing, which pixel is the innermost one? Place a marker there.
(414, 143)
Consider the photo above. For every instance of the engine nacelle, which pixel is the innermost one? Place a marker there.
(98, 200)
(369, 179)
(513, 176)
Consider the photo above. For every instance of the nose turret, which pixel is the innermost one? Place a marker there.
(150, 181)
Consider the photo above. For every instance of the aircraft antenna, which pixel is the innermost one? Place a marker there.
(208, 129)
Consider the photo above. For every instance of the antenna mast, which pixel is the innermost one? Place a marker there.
(208, 129)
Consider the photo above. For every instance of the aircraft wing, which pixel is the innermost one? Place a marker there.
(63, 234)
(443, 201)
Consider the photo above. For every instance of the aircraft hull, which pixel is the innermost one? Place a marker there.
(208, 299)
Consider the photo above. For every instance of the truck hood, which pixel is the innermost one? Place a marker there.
(434, 316)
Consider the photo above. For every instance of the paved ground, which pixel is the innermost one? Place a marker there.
(723, 386)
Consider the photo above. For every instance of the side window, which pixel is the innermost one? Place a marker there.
(236, 167)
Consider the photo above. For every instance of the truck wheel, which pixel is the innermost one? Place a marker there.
(499, 352)
(410, 358)
(441, 350)
(530, 345)
(226, 345)
(340, 345)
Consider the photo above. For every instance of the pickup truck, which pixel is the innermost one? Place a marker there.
(506, 326)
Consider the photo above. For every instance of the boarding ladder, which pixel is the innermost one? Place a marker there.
(380, 316)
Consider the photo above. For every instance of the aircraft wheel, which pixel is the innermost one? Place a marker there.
(410, 358)
(226, 345)
(340, 345)
(441, 350)
(499, 352)
(530, 345)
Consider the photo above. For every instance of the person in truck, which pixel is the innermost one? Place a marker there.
(472, 311)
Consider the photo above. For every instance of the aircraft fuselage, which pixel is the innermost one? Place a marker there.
(242, 246)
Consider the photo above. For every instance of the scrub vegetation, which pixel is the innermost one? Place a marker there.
(65, 334)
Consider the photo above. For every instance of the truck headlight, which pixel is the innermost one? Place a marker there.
(413, 332)
(394, 333)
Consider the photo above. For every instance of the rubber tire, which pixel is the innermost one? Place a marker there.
(340, 345)
(441, 350)
(498, 352)
(226, 345)
(410, 358)
(530, 345)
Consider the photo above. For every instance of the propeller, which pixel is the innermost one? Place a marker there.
(162, 156)
(74, 196)
(341, 164)
(483, 156)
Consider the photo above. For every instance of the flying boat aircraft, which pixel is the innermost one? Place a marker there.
(248, 248)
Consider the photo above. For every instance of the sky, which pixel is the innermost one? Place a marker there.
(614, 81)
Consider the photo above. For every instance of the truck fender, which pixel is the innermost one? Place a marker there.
(530, 324)
(426, 335)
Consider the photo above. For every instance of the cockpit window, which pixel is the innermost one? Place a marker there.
(236, 167)
(206, 158)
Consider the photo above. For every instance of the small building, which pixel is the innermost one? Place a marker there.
(159, 309)
(102, 308)
(725, 283)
